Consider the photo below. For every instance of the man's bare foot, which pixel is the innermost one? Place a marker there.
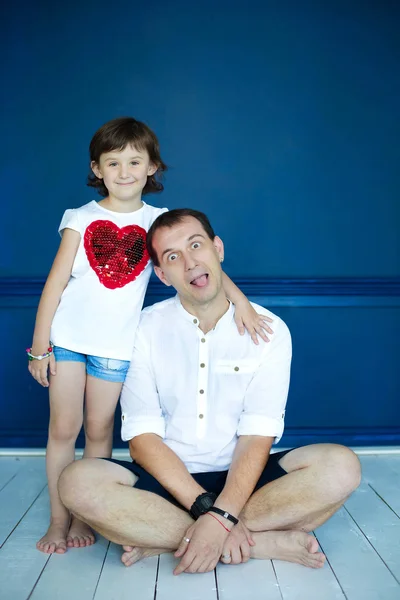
(133, 554)
(55, 539)
(292, 546)
(79, 534)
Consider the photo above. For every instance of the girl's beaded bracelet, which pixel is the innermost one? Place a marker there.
(40, 356)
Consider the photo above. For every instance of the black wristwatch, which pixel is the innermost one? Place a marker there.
(202, 504)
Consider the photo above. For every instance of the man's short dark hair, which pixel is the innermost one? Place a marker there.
(171, 218)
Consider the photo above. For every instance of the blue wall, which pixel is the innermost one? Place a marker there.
(279, 120)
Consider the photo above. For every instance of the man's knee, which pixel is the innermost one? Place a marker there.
(75, 485)
(344, 467)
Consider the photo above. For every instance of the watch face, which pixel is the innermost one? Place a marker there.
(207, 502)
(202, 504)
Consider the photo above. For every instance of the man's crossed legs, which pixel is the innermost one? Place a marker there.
(319, 479)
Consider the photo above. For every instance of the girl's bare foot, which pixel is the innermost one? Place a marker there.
(55, 539)
(133, 553)
(79, 534)
(292, 546)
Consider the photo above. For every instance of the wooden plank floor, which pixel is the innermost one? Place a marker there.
(362, 544)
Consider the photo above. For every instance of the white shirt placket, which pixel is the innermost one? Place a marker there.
(202, 384)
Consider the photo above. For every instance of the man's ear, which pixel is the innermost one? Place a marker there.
(219, 246)
(160, 274)
(95, 168)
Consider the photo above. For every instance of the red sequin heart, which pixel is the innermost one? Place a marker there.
(116, 255)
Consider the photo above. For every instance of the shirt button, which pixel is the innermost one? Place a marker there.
(123, 417)
(201, 391)
(203, 340)
(201, 416)
(195, 321)
(236, 368)
(202, 365)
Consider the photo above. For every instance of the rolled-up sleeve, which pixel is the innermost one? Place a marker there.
(140, 406)
(266, 396)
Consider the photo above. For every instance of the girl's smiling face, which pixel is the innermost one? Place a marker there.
(124, 172)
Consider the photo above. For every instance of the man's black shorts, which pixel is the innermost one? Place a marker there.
(213, 481)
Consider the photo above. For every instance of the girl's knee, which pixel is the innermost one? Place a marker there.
(97, 432)
(63, 430)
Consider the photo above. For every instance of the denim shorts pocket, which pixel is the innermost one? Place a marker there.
(113, 364)
(109, 369)
(108, 364)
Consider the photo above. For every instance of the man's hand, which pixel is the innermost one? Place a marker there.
(237, 545)
(201, 554)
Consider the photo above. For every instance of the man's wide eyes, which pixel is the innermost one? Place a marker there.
(174, 256)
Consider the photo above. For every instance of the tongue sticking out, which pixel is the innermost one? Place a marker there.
(200, 281)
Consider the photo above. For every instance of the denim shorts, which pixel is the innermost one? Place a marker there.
(108, 369)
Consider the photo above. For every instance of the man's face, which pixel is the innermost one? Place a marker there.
(189, 260)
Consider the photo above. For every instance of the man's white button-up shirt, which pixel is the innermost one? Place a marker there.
(199, 391)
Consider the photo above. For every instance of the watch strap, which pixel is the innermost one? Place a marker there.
(224, 514)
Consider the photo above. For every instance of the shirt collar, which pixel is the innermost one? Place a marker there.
(225, 320)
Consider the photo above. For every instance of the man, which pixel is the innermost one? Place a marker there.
(201, 408)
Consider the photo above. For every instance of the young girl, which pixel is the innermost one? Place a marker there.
(90, 308)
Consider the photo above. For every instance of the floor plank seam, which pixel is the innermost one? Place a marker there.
(331, 567)
(371, 544)
(383, 500)
(216, 582)
(23, 516)
(101, 570)
(277, 580)
(37, 580)
(156, 581)
(9, 481)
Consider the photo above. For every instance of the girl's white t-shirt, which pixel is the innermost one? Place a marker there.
(100, 308)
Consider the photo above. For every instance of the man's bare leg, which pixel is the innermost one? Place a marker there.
(101, 494)
(320, 478)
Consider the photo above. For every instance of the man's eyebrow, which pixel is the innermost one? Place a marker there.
(166, 252)
(195, 235)
(189, 239)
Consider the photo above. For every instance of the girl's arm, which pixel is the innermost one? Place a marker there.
(55, 285)
(245, 315)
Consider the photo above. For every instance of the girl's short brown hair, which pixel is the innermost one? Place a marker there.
(117, 135)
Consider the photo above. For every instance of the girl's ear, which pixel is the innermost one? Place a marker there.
(96, 170)
(152, 169)
(160, 274)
